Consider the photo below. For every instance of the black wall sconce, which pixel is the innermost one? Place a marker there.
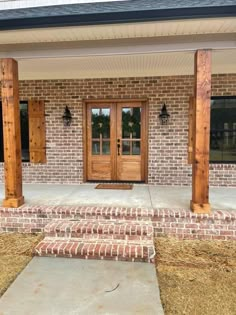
(164, 115)
(67, 117)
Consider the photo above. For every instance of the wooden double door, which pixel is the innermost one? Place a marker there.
(116, 141)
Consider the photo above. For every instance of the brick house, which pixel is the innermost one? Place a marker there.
(124, 91)
(110, 66)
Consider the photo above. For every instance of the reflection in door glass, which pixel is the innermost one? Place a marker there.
(125, 147)
(106, 147)
(100, 123)
(136, 147)
(131, 123)
(95, 147)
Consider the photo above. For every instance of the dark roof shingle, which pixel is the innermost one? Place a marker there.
(106, 9)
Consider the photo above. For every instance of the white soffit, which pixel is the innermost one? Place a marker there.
(119, 31)
(118, 47)
(158, 64)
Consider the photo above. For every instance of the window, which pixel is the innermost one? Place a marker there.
(24, 124)
(223, 130)
(24, 121)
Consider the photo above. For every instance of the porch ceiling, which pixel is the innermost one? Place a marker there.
(119, 31)
(120, 50)
(110, 66)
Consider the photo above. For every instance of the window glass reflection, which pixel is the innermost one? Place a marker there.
(106, 147)
(100, 123)
(131, 123)
(126, 147)
(95, 147)
(223, 130)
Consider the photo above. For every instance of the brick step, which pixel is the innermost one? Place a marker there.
(103, 229)
(102, 249)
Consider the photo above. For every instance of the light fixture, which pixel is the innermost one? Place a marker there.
(67, 117)
(164, 116)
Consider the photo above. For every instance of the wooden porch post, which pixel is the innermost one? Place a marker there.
(201, 133)
(11, 134)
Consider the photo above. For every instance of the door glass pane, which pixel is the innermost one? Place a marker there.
(106, 147)
(100, 123)
(126, 119)
(131, 123)
(95, 147)
(136, 148)
(136, 133)
(105, 114)
(95, 115)
(126, 147)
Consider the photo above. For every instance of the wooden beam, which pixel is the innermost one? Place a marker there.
(201, 133)
(11, 134)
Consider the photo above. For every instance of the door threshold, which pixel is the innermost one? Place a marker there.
(113, 182)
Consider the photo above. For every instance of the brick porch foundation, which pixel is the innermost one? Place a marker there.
(179, 223)
(112, 233)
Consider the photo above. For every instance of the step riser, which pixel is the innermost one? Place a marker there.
(99, 236)
(121, 217)
(123, 230)
(115, 258)
(96, 257)
(93, 250)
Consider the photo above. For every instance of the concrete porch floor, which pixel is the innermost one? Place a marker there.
(144, 196)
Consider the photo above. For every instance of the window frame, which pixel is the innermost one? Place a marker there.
(221, 98)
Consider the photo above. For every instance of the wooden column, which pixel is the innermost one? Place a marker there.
(11, 134)
(201, 133)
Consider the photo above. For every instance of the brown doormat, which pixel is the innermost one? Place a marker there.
(114, 186)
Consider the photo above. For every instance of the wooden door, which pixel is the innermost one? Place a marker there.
(116, 141)
(130, 141)
(101, 147)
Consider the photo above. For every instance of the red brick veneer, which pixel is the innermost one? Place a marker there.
(101, 249)
(167, 144)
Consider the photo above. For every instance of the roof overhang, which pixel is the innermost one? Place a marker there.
(120, 31)
(120, 50)
(117, 17)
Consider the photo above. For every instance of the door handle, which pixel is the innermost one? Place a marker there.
(118, 146)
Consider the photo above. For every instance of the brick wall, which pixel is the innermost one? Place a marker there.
(167, 144)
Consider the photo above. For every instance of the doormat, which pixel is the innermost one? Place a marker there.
(115, 186)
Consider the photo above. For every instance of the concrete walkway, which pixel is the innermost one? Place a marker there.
(143, 196)
(60, 286)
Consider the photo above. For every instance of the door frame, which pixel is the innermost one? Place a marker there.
(84, 130)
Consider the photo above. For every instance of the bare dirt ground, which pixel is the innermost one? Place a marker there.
(197, 277)
(15, 254)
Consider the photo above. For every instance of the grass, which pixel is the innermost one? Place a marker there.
(197, 277)
(15, 254)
